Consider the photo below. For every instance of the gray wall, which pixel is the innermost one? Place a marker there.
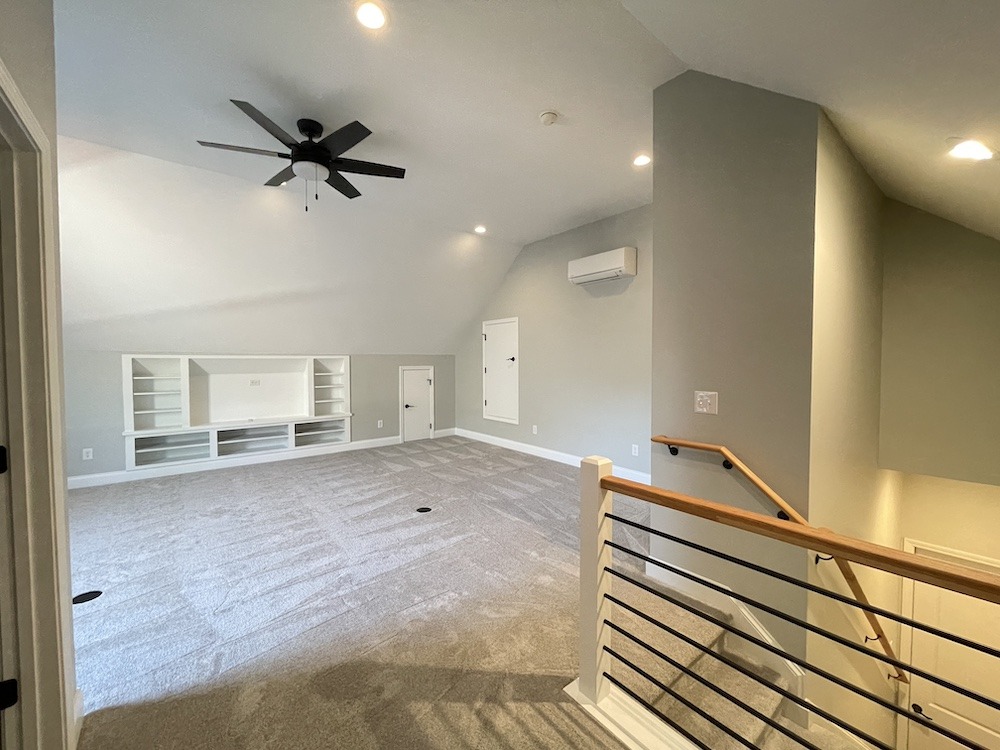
(847, 490)
(734, 204)
(940, 348)
(584, 350)
(95, 418)
(27, 48)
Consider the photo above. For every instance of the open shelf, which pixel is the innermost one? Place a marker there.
(201, 407)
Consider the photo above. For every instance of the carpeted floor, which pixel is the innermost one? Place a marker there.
(306, 604)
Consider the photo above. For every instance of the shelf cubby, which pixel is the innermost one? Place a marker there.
(182, 408)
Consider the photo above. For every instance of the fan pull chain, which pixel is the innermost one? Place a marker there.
(307, 194)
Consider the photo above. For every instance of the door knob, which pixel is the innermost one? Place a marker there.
(919, 710)
(407, 406)
(510, 359)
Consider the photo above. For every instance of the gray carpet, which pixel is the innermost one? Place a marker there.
(305, 604)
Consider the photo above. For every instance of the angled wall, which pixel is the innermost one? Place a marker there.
(733, 224)
(584, 350)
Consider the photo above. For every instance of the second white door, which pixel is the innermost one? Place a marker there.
(416, 392)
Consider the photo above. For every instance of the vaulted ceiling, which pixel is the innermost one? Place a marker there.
(452, 90)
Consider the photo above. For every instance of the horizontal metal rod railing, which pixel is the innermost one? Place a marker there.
(911, 715)
(731, 460)
(979, 584)
(808, 626)
(775, 725)
(774, 649)
(681, 699)
(657, 712)
(889, 615)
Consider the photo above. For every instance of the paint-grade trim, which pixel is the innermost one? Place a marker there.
(552, 455)
(117, 477)
(450, 432)
(78, 720)
(630, 722)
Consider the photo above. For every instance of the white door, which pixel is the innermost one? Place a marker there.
(416, 391)
(967, 617)
(500, 370)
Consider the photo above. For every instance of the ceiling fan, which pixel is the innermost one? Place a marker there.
(314, 159)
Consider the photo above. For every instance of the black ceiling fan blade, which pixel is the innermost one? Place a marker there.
(354, 166)
(339, 182)
(261, 119)
(346, 138)
(245, 149)
(281, 178)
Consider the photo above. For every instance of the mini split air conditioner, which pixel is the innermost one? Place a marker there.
(614, 264)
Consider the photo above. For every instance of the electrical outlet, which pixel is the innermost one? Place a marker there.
(88, 454)
(706, 402)
(534, 429)
(635, 449)
(255, 382)
(380, 424)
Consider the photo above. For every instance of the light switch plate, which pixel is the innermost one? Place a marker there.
(706, 402)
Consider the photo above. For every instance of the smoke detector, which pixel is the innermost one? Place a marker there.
(548, 117)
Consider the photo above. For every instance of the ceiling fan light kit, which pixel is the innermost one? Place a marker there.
(316, 158)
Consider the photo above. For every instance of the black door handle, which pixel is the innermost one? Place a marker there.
(510, 359)
(919, 710)
(407, 406)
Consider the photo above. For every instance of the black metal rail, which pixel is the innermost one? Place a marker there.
(913, 716)
(849, 601)
(845, 642)
(714, 688)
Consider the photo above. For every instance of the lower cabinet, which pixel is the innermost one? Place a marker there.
(147, 449)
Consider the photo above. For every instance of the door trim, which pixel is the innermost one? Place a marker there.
(499, 321)
(947, 554)
(33, 356)
(402, 418)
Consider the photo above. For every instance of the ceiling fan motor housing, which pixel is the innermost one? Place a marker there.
(310, 129)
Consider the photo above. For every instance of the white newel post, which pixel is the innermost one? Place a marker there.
(595, 529)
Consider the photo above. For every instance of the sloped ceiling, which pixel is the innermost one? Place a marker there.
(898, 78)
(158, 232)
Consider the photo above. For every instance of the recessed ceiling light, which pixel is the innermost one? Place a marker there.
(480, 229)
(973, 150)
(371, 16)
(642, 160)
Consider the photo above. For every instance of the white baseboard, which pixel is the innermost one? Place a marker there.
(153, 472)
(77, 728)
(551, 455)
(450, 432)
(634, 726)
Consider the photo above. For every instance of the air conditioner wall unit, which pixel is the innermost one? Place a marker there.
(614, 264)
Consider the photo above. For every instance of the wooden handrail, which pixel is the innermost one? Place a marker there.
(842, 565)
(976, 583)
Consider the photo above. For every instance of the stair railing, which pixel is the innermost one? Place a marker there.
(731, 461)
(617, 704)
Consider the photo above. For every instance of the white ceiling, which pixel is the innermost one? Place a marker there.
(451, 88)
(898, 78)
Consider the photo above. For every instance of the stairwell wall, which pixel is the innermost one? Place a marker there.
(848, 492)
(733, 228)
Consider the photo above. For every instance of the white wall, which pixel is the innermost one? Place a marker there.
(584, 350)
(733, 230)
(941, 349)
(847, 490)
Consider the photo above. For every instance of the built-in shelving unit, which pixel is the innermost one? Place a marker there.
(185, 408)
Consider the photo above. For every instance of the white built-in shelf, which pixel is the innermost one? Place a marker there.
(181, 408)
